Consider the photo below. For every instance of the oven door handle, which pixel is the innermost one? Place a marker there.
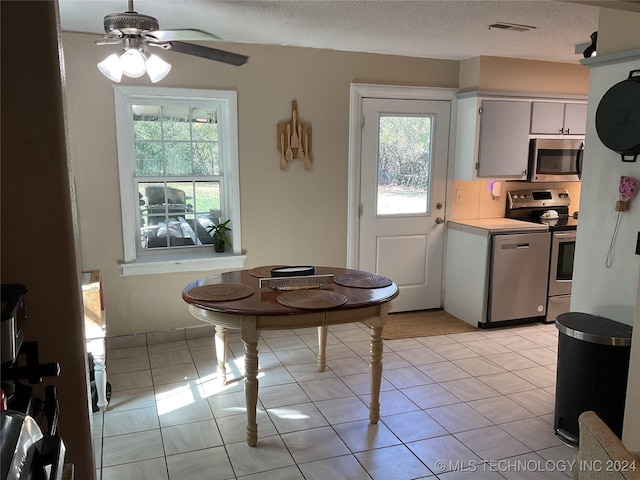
(569, 235)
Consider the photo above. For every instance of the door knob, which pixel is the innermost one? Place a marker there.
(439, 220)
(439, 206)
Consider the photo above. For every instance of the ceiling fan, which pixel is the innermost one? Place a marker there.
(138, 32)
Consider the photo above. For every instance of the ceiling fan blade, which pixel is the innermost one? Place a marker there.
(209, 53)
(184, 35)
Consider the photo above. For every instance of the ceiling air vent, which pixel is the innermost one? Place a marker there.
(515, 27)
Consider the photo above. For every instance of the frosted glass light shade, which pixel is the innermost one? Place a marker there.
(110, 68)
(132, 63)
(157, 68)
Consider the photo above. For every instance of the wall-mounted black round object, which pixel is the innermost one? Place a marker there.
(618, 118)
(296, 271)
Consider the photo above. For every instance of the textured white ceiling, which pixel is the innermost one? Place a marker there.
(452, 29)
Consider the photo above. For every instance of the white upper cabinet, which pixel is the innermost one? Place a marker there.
(557, 118)
(492, 139)
(504, 139)
(493, 131)
(575, 118)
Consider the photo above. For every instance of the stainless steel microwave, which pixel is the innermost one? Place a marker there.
(555, 159)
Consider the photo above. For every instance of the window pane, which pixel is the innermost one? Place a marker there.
(178, 158)
(149, 159)
(205, 158)
(204, 124)
(207, 199)
(176, 123)
(204, 131)
(178, 213)
(146, 125)
(404, 162)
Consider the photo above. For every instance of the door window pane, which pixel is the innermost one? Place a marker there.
(404, 163)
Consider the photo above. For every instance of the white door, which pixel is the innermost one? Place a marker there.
(402, 194)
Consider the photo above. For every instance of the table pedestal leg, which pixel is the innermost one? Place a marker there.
(96, 347)
(221, 353)
(376, 373)
(251, 390)
(322, 348)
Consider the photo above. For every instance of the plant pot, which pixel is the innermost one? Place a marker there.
(218, 245)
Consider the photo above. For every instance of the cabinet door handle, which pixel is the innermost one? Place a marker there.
(562, 130)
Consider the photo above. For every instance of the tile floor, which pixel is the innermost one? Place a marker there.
(473, 405)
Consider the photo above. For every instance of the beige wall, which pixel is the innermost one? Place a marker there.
(512, 75)
(38, 217)
(292, 216)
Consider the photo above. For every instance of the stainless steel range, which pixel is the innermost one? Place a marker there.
(550, 207)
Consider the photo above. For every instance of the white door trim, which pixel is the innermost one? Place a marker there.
(358, 92)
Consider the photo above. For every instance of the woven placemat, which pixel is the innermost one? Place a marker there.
(264, 271)
(312, 299)
(220, 292)
(362, 280)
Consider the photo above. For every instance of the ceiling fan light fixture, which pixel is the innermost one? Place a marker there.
(132, 63)
(137, 32)
(157, 68)
(110, 68)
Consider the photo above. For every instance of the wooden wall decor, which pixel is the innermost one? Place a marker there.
(294, 140)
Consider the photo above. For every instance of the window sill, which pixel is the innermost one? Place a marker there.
(192, 263)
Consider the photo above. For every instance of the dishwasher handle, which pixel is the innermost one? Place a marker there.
(509, 246)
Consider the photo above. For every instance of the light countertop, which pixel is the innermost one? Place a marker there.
(488, 226)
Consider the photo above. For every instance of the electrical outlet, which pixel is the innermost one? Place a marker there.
(459, 196)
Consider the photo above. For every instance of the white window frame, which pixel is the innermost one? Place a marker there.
(167, 261)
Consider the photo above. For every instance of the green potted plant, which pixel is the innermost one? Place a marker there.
(220, 235)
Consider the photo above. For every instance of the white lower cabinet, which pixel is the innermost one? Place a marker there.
(466, 275)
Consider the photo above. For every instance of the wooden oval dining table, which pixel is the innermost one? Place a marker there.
(235, 300)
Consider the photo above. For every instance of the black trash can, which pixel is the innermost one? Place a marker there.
(592, 371)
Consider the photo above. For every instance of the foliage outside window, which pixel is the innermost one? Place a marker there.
(177, 152)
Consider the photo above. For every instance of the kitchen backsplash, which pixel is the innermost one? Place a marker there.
(473, 199)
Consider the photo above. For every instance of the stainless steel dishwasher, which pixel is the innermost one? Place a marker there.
(518, 277)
